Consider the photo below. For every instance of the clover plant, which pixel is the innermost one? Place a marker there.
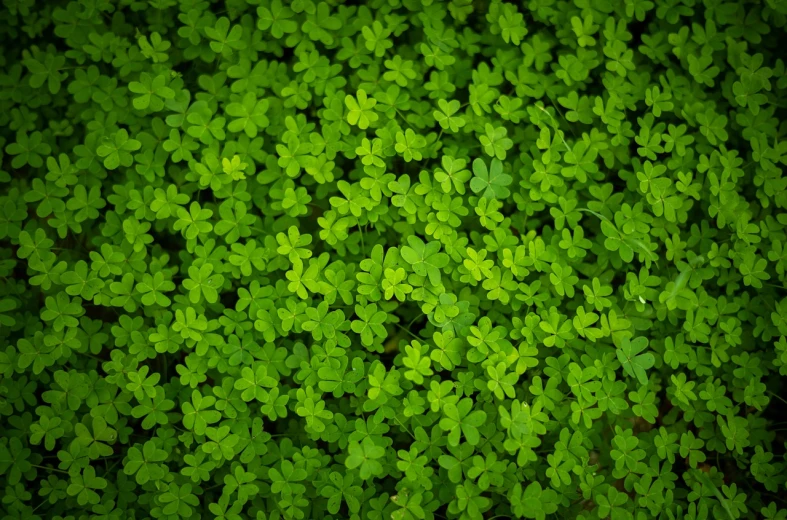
(393, 259)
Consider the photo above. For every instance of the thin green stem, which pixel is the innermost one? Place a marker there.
(407, 331)
(777, 396)
(403, 118)
(404, 427)
(414, 320)
(50, 469)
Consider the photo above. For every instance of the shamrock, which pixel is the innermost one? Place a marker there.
(635, 363)
(364, 456)
(360, 109)
(460, 420)
(492, 182)
(424, 258)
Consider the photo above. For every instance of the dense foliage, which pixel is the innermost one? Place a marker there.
(406, 259)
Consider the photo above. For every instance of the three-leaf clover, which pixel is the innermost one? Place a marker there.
(364, 456)
(360, 109)
(460, 419)
(634, 362)
(492, 182)
(425, 258)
